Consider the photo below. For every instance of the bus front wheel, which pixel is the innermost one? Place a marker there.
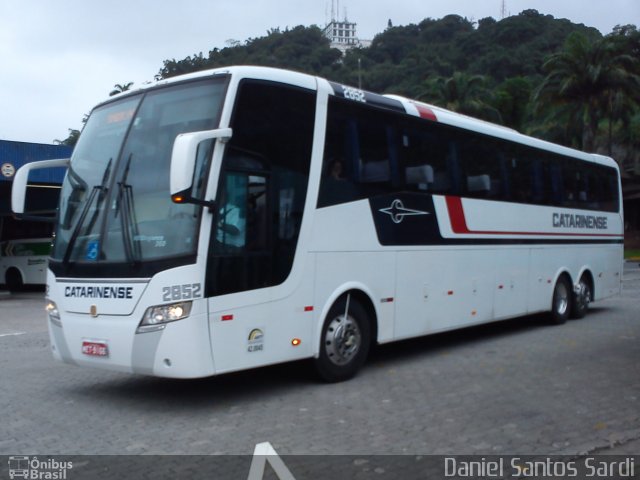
(344, 342)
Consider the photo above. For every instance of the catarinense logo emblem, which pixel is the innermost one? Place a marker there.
(397, 211)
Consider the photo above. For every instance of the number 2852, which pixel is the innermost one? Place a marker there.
(181, 292)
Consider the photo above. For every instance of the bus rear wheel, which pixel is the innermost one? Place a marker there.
(344, 342)
(561, 301)
(13, 279)
(581, 298)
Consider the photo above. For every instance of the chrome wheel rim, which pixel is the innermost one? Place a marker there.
(342, 339)
(561, 298)
(583, 296)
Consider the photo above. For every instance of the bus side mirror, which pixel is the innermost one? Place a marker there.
(183, 162)
(19, 187)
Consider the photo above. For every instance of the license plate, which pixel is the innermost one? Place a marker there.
(95, 349)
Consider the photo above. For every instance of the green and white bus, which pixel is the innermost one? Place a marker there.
(25, 247)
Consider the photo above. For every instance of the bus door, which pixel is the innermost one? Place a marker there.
(255, 282)
(240, 257)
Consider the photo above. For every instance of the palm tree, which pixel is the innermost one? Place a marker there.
(585, 78)
(462, 93)
(119, 88)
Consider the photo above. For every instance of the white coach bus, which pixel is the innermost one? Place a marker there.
(246, 216)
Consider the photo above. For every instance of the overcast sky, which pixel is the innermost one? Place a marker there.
(59, 58)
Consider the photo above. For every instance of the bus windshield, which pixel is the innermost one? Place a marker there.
(115, 203)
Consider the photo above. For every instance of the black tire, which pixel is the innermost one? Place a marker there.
(14, 279)
(561, 301)
(344, 342)
(581, 298)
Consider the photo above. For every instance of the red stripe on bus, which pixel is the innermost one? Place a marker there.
(426, 112)
(456, 215)
(459, 224)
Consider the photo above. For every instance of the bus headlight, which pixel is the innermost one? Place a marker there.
(156, 317)
(54, 314)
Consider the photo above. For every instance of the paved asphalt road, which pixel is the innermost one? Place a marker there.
(516, 387)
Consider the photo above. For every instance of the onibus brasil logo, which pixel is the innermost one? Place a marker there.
(51, 469)
(32, 468)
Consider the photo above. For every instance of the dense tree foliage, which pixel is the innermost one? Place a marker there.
(301, 48)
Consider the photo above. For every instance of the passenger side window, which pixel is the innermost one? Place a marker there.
(426, 155)
(480, 162)
(371, 152)
(360, 154)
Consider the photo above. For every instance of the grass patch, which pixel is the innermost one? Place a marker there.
(632, 254)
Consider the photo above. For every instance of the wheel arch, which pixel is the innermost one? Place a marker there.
(359, 292)
(586, 272)
(563, 271)
(11, 270)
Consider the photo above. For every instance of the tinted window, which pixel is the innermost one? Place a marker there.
(371, 151)
(481, 166)
(360, 155)
(426, 156)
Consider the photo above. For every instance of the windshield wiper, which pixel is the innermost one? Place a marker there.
(128, 220)
(100, 191)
